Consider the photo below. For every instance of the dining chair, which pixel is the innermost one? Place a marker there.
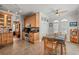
(49, 45)
(62, 44)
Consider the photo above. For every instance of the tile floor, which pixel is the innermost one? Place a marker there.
(24, 48)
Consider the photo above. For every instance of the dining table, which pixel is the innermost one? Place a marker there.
(58, 39)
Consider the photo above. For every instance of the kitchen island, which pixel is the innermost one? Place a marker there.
(6, 38)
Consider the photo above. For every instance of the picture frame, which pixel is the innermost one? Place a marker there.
(73, 24)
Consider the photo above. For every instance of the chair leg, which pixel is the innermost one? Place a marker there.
(56, 48)
(44, 47)
(61, 49)
(65, 49)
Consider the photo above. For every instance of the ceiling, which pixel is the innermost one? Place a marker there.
(26, 9)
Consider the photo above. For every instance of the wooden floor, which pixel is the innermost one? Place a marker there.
(25, 48)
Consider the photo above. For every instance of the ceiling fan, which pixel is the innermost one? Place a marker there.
(59, 12)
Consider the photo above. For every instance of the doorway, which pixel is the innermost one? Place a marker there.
(16, 29)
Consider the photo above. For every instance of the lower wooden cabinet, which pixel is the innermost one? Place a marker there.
(34, 37)
(10, 38)
(31, 37)
(6, 38)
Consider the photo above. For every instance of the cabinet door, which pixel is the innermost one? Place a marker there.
(10, 36)
(0, 39)
(32, 37)
(1, 21)
(36, 37)
(7, 37)
(26, 21)
(33, 21)
(37, 20)
(4, 39)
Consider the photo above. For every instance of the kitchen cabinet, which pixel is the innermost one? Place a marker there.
(6, 38)
(9, 38)
(31, 37)
(33, 20)
(5, 21)
(26, 21)
(34, 37)
(6, 35)
(37, 20)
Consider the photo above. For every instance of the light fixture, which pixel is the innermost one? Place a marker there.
(57, 14)
(64, 20)
(56, 21)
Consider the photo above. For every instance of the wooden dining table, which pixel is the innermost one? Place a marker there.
(59, 40)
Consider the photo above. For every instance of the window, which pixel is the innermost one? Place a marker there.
(55, 26)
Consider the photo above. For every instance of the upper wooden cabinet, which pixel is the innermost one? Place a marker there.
(5, 21)
(33, 20)
(37, 21)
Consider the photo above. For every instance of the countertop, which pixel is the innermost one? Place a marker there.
(61, 38)
(33, 31)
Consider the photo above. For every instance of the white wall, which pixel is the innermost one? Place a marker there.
(43, 29)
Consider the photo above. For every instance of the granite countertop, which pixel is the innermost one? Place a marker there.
(34, 32)
(57, 37)
(34, 29)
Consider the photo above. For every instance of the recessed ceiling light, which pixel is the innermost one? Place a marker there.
(56, 21)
